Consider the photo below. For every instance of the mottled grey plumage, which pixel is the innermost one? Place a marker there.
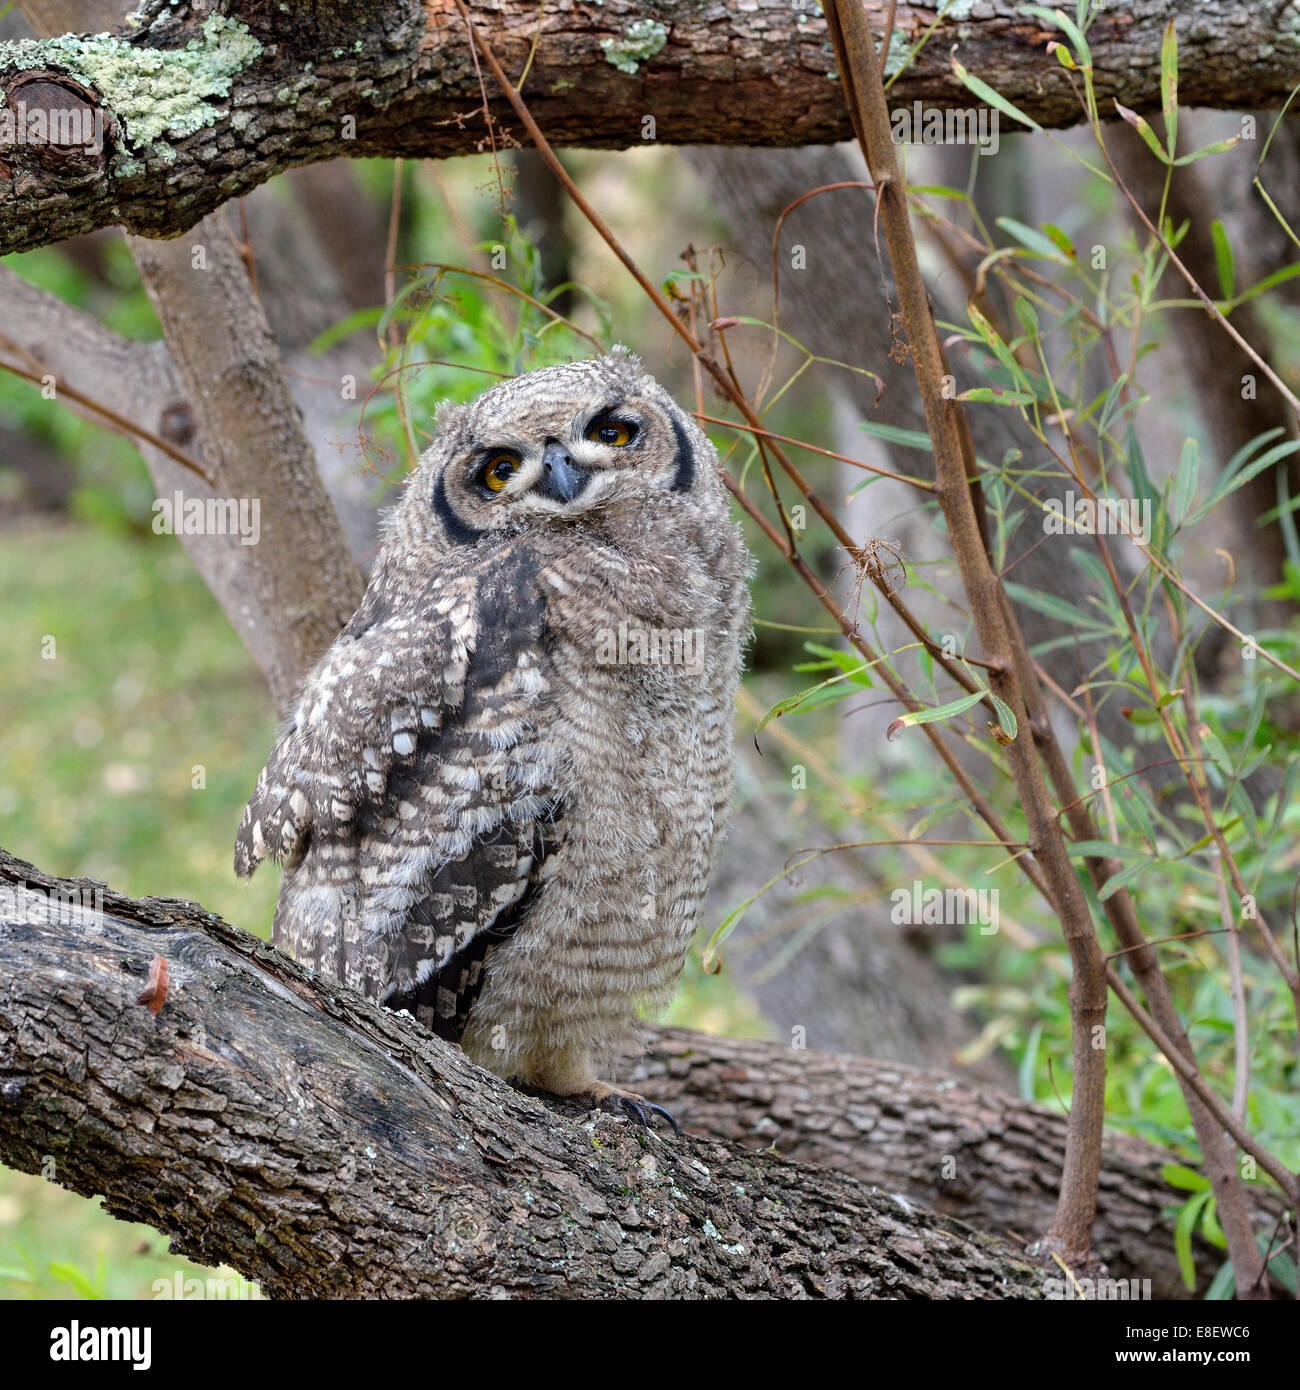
(499, 796)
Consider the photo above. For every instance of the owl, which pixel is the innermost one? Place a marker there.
(501, 791)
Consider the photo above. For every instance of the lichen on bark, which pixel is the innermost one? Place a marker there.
(638, 44)
(153, 92)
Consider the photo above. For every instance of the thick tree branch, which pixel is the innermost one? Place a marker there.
(227, 359)
(376, 1160)
(328, 1148)
(967, 1150)
(265, 87)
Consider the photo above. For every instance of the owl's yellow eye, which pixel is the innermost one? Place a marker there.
(612, 432)
(499, 471)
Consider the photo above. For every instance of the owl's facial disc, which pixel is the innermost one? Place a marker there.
(575, 464)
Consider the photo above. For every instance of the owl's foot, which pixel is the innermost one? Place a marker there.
(620, 1102)
(615, 1102)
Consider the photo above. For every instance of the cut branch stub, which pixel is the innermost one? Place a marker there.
(56, 127)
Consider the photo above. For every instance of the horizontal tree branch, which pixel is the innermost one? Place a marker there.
(326, 1147)
(259, 1099)
(968, 1150)
(202, 106)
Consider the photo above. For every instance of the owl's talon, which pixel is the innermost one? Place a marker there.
(642, 1110)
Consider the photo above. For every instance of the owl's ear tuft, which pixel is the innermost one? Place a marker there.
(623, 361)
(448, 414)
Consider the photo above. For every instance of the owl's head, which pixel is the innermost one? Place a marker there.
(563, 446)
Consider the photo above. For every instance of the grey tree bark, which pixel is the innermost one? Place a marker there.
(271, 86)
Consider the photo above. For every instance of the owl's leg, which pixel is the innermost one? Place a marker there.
(569, 1072)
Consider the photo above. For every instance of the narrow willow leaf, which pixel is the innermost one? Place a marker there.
(928, 716)
(996, 397)
(1117, 881)
(1144, 130)
(1186, 1179)
(1032, 239)
(1185, 480)
(1183, 1228)
(991, 98)
(1215, 147)
(1105, 849)
(891, 434)
(1006, 716)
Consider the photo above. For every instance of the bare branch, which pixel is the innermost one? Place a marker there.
(267, 87)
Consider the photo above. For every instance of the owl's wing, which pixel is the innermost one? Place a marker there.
(411, 796)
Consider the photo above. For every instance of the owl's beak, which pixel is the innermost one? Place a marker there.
(561, 478)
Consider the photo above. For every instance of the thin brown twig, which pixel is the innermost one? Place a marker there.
(920, 483)
(119, 423)
(958, 491)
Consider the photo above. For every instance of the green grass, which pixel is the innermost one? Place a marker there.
(134, 721)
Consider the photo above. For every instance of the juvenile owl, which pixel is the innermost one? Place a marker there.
(501, 791)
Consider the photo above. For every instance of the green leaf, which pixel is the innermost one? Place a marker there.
(1284, 795)
(1210, 1227)
(1232, 478)
(1120, 880)
(928, 716)
(1214, 147)
(813, 698)
(1183, 1228)
(991, 98)
(848, 662)
(940, 190)
(1027, 315)
(1006, 716)
(1060, 240)
(70, 1274)
(1029, 1063)
(1281, 1266)
(1181, 1176)
(1253, 722)
(1144, 130)
(1032, 240)
(1288, 272)
(1135, 463)
(993, 396)
(1189, 465)
(344, 328)
(1000, 350)
(1223, 259)
(891, 434)
(1054, 607)
(1067, 26)
(1105, 849)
